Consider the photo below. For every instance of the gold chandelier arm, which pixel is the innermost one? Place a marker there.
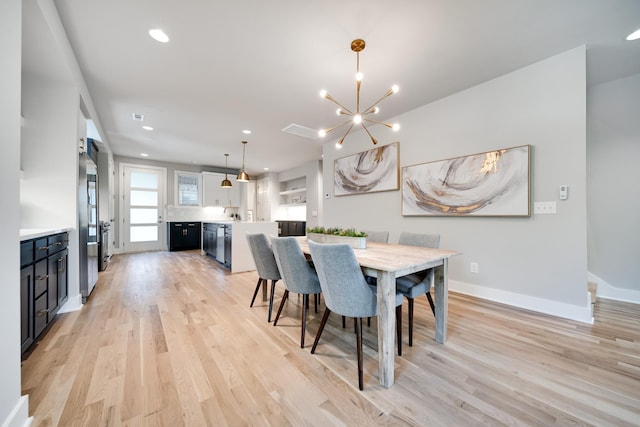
(332, 99)
(345, 135)
(389, 125)
(340, 125)
(373, 106)
(369, 133)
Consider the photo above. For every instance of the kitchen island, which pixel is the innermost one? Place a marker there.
(225, 241)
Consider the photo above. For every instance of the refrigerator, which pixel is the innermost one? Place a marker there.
(88, 234)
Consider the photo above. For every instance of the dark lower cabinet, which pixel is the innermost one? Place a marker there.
(44, 284)
(26, 308)
(209, 238)
(291, 228)
(184, 235)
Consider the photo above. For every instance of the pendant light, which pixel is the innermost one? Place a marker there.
(225, 182)
(243, 176)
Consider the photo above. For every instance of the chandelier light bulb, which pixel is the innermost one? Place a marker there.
(358, 76)
(339, 111)
(395, 126)
(338, 145)
(323, 93)
(322, 133)
(357, 119)
(395, 88)
(375, 110)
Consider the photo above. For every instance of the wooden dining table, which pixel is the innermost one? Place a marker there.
(386, 262)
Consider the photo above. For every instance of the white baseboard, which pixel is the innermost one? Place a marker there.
(567, 311)
(608, 291)
(73, 304)
(19, 416)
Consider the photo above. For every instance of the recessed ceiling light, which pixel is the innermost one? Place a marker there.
(147, 127)
(634, 36)
(158, 35)
(266, 169)
(144, 155)
(246, 132)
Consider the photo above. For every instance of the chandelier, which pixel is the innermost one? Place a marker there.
(360, 117)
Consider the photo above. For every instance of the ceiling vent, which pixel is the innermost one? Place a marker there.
(300, 130)
(138, 117)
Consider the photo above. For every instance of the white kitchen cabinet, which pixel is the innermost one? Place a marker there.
(215, 195)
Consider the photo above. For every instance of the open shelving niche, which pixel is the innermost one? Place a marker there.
(293, 192)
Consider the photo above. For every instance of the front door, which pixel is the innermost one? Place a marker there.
(143, 199)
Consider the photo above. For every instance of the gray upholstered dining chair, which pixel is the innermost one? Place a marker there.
(377, 236)
(266, 266)
(416, 284)
(297, 274)
(347, 293)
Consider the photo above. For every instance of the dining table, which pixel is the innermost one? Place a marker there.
(386, 262)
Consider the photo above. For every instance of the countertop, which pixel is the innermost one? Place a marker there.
(34, 233)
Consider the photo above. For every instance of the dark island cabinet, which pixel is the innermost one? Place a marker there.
(209, 238)
(44, 283)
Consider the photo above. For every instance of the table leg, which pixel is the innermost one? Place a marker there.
(441, 287)
(386, 327)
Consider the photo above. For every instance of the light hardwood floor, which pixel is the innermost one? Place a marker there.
(168, 339)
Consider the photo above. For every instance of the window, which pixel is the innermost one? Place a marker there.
(187, 188)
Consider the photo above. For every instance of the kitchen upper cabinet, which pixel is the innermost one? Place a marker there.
(215, 195)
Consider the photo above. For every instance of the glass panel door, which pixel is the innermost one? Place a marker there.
(143, 195)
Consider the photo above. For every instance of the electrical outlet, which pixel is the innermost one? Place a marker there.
(473, 267)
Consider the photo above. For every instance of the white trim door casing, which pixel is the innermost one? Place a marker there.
(143, 190)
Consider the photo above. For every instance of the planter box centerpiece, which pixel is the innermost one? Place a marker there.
(357, 239)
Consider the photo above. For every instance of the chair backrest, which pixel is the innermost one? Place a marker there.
(377, 236)
(294, 268)
(343, 285)
(263, 256)
(419, 239)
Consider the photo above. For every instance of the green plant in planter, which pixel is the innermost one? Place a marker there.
(348, 232)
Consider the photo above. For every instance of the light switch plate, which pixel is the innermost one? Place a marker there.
(544, 208)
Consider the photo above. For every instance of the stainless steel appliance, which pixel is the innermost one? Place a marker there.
(103, 246)
(88, 218)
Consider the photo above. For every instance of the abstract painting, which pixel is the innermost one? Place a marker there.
(369, 171)
(494, 183)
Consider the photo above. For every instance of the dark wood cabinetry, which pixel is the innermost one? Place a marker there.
(209, 239)
(291, 228)
(184, 235)
(43, 284)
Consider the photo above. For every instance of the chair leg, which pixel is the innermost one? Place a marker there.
(368, 321)
(255, 293)
(305, 303)
(344, 325)
(284, 299)
(325, 316)
(410, 300)
(433, 308)
(273, 291)
(315, 302)
(399, 328)
(358, 323)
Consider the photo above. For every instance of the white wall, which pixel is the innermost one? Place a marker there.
(613, 150)
(539, 262)
(13, 408)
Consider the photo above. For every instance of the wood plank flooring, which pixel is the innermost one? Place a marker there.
(169, 339)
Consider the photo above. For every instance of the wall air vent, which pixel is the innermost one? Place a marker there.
(138, 117)
(300, 130)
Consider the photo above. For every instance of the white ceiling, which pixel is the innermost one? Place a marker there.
(259, 65)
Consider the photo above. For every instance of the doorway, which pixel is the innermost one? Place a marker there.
(143, 194)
